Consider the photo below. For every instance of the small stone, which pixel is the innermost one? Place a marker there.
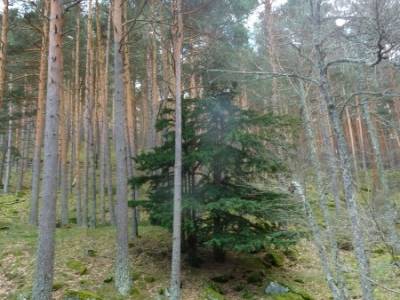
(274, 288)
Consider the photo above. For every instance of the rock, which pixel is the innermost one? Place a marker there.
(281, 292)
(345, 244)
(81, 295)
(274, 288)
(77, 266)
(108, 279)
(255, 278)
(274, 258)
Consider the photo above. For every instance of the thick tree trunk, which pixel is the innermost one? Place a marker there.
(337, 288)
(43, 280)
(344, 157)
(122, 277)
(177, 35)
(37, 153)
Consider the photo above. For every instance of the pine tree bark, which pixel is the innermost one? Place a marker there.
(3, 50)
(43, 280)
(122, 277)
(37, 153)
(177, 35)
(63, 134)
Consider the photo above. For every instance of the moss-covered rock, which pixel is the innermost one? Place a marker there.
(81, 295)
(255, 278)
(77, 266)
(274, 259)
(211, 294)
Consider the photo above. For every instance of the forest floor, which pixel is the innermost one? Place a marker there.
(84, 263)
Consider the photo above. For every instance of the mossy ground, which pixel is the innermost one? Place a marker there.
(150, 256)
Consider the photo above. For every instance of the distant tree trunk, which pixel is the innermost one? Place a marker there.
(77, 119)
(360, 134)
(122, 277)
(270, 39)
(3, 50)
(389, 213)
(43, 280)
(37, 153)
(105, 130)
(7, 173)
(21, 141)
(64, 156)
(102, 82)
(177, 35)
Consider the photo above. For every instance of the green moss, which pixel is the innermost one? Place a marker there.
(81, 295)
(274, 258)
(288, 296)
(57, 286)
(149, 279)
(211, 294)
(77, 266)
(135, 292)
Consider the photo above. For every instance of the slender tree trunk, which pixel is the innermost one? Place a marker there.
(317, 238)
(177, 35)
(122, 277)
(105, 130)
(37, 153)
(389, 214)
(64, 138)
(77, 119)
(43, 280)
(3, 50)
(6, 179)
(270, 39)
